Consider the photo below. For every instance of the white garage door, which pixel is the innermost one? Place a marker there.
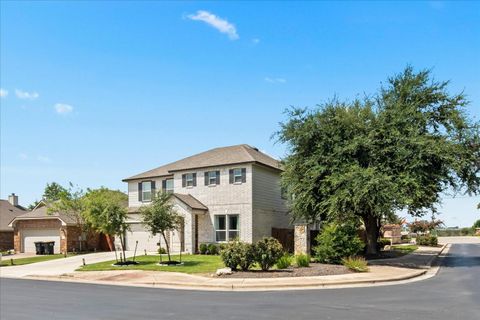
(146, 241)
(30, 236)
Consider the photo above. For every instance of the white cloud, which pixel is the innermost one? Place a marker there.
(275, 80)
(23, 156)
(63, 108)
(26, 95)
(3, 93)
(44, 159)
(218, 23)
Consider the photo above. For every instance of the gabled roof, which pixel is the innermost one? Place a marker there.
(7, 213)
(187, 199)
(190, 201)
(41, 212)
(237, 154)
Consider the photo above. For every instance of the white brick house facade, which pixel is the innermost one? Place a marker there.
(251, 204)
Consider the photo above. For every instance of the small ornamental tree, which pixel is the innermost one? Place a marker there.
(423, 226)
(106, 212)
(69, 202)
(160, 217)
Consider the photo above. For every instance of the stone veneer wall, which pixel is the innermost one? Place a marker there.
(302, 239)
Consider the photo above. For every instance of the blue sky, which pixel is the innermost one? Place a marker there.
(93, 92)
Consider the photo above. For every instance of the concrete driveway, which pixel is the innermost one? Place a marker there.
(57, 266)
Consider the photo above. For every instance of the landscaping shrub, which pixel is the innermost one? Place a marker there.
(284, 262)
(247, 255)
(231, 254)
(212, 249)
(406, 238)
(162, 250)
(427, 240)
(302, 260)
(357, 264)
(203, 248)
(337, 241)
(267, 252)
(383, 242)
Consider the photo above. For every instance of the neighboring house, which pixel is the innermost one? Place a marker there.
(222, 194)
(9, 209)
(40, 225)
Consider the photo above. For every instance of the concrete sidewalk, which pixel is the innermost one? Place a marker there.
(57, 266)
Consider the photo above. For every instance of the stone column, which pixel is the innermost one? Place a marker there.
(302, 239)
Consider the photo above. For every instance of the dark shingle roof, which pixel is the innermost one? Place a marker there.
(7, 213)
(242, 153)
(190, 201)
(41, 212)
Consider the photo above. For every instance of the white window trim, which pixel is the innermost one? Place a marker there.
(187, 180)
(144, 191)
(166, 186)
(210, 178)
(227, 227)
(236, 175)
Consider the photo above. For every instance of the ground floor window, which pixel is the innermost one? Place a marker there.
(227, 227)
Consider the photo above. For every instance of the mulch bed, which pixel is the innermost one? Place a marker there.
(315, 269)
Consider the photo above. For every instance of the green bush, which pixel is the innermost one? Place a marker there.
(162, 250)
(357, 264)
(203, 248)
(383, 242)
(247, 255)
(212, 249)
(284, 262)
(337, 241)
(302, 260)
(231, 254)
(427, 240)
(267, 252)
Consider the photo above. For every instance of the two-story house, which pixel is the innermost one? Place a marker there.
(222, 194)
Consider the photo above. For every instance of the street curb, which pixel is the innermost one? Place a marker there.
(421, 274)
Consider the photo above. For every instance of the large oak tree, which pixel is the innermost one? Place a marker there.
(367, 159)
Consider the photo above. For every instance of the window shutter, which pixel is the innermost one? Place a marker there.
(139, 191)
(164, 185)
(244, 175)
(230, 173)
(206, 177)
(154, 191)
(184, 180)
(217, 173)
(194, 179)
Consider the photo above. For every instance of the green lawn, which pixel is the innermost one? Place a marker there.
(17, 262)
(405, 248)
(192, 264)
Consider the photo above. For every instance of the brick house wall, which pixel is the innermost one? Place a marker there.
(69, 235)
(6, 240)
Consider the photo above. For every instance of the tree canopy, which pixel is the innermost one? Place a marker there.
(367, 159)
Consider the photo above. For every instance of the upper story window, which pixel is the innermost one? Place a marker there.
(238, 175)
(212, 178)
(189, 180)
(146, 190)
(167, 185)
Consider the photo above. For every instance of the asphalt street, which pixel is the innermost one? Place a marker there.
(453, 294)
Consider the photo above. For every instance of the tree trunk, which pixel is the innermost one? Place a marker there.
(372, 228)
(166, 244)
(122, 243)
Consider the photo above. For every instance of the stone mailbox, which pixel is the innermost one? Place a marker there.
(302, 239)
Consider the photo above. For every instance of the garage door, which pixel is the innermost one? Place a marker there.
(146, 241)
(30, 236)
